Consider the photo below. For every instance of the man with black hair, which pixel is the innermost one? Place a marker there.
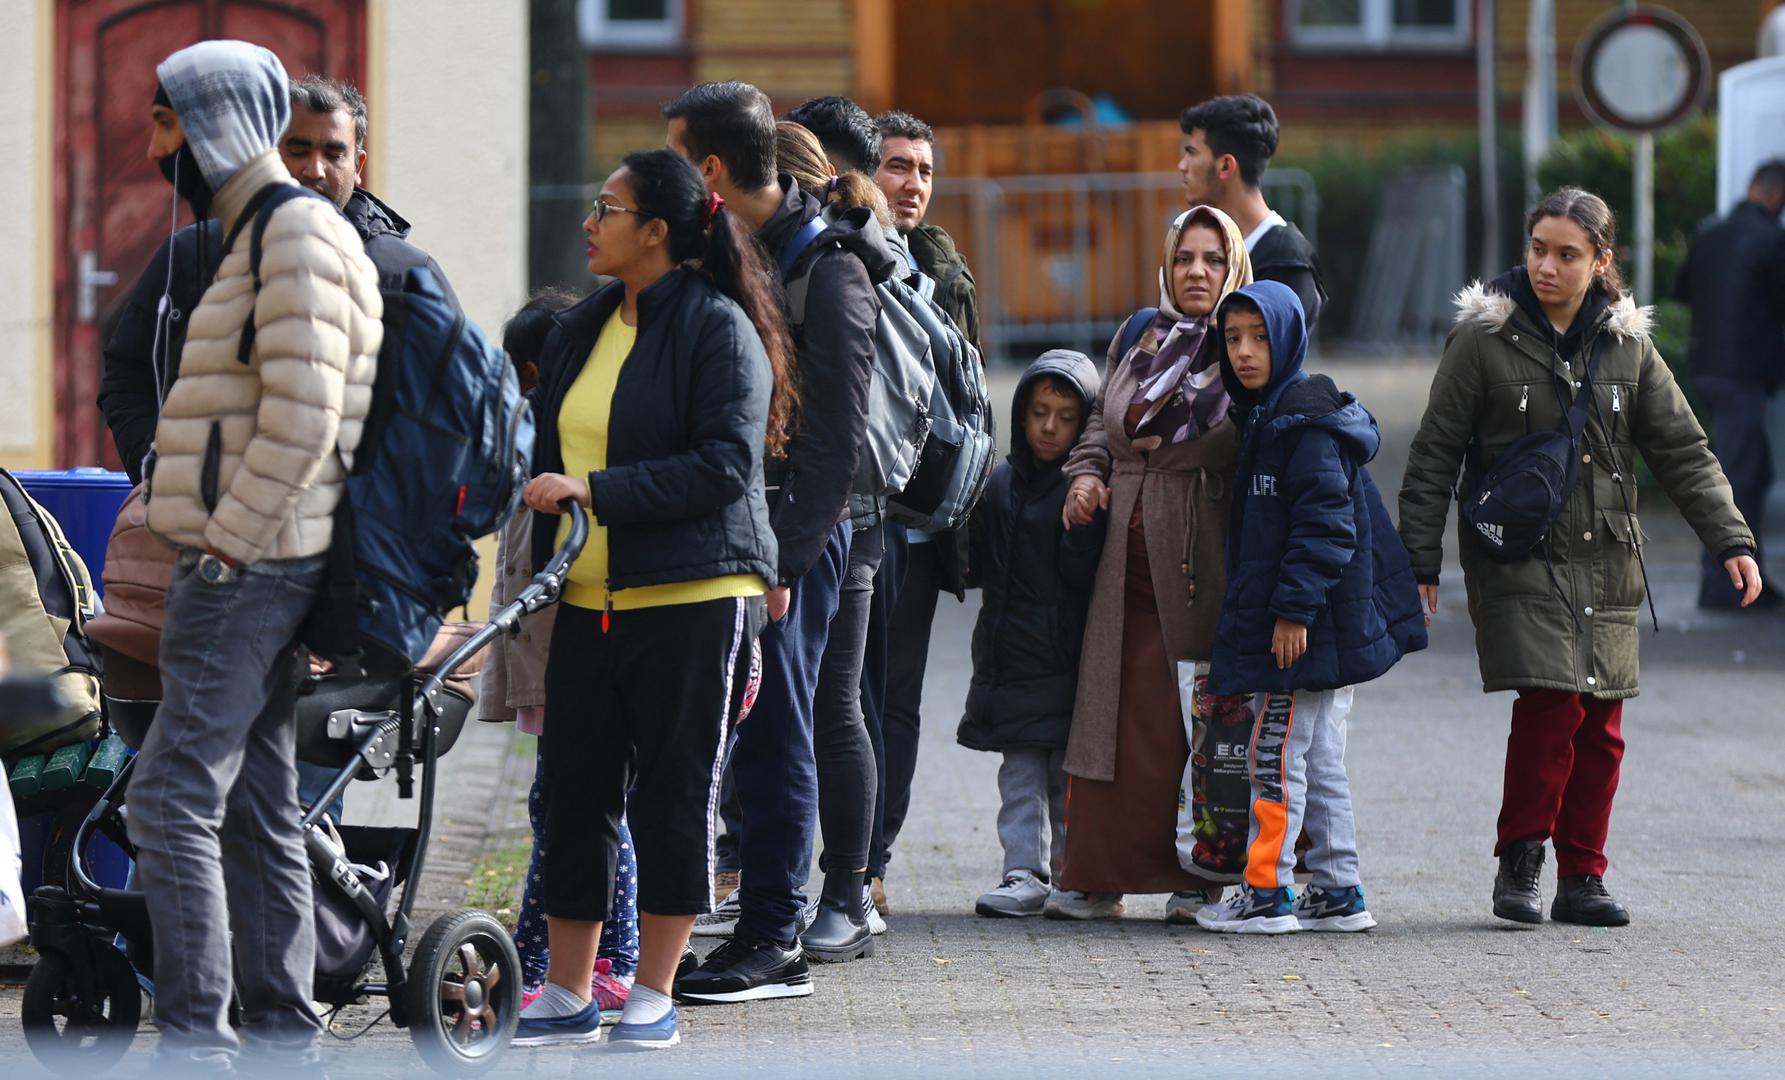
(844, 129)
(1228, 142)
(918, 567)
(818, 612)
(324, 149)
(1734, 278)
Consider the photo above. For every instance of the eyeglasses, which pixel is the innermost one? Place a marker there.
(603, 209)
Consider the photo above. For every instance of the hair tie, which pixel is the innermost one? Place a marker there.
(833, 183)
(714, 202)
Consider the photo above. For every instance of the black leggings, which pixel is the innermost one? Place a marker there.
(848, 775)
(644, 707)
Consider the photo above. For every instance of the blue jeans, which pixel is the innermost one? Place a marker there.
(221, 753)
(773, 765)
(619, 934)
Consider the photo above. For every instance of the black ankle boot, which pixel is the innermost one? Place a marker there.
(839, 932)
(1582, 900)
(1516, 895)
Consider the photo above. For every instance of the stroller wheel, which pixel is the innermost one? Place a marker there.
(463, 992)
(74, 1030)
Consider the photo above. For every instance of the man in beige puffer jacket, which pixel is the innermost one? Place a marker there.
(250, 459)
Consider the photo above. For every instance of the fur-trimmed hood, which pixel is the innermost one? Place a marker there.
(1489, 307)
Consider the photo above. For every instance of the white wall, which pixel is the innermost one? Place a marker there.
(448, 96)
(26, 389)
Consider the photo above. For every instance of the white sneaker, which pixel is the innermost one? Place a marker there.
(1075, 904)
(722, 920)
(1181, 907)
(1021, 893)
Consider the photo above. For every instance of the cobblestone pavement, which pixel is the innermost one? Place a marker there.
(1693, 987)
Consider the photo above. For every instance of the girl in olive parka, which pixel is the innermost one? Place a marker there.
(1560, 627)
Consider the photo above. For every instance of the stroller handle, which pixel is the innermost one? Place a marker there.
(546, 588)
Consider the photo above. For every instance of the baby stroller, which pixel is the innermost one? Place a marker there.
(459, 994)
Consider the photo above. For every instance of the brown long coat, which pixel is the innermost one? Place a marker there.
(1183, 490)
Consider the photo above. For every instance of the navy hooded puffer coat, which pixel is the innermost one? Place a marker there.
(1036, 578)
(1309, 540)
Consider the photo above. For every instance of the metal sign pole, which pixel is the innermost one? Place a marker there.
(1645, 209)
(1645, 218)
(1489, 133)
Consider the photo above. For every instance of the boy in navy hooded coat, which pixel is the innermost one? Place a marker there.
(1320, 597)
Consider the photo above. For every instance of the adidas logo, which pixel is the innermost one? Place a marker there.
(1496, 534)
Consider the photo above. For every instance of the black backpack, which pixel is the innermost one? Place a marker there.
(1513, 502)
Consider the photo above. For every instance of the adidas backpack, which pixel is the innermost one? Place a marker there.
(441, 462)
(1513, 502)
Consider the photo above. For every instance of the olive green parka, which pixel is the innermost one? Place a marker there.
(1501, 378)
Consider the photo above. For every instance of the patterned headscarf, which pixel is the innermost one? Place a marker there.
(1178, 393)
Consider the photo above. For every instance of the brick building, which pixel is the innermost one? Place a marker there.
(1358, 72)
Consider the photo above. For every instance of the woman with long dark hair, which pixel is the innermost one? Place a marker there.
(1559, 624)
(661, 394)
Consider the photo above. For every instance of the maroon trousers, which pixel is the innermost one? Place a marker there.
(1562, 761)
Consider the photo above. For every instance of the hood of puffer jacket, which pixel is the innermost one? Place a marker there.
(1079, 372)
(233, 100)
(855, 231)
(1490, 305)
(371, 217)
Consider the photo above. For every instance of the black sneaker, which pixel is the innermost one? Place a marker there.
(689, 961)
(1516, 894)
(1583, 901)
(745, 969)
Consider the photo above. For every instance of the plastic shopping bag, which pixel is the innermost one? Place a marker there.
(1215, 796)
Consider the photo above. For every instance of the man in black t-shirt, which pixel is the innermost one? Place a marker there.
(1227, 143)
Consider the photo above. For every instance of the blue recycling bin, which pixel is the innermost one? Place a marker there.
(85, 502)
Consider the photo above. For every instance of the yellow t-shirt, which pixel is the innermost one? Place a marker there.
(582, 438)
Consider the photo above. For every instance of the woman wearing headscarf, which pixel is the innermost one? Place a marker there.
(1157, 457)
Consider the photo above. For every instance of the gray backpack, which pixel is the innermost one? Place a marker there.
(904, 377)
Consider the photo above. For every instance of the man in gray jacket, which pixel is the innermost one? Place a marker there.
(249, 461)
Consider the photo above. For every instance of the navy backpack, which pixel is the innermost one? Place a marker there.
(441, 462)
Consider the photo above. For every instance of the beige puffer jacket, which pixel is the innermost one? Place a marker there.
(246, 461)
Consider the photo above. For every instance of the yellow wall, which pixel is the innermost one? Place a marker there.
(448, 98)
(27, 124)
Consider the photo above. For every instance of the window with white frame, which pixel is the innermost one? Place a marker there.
(1380, 24)
(629, 24)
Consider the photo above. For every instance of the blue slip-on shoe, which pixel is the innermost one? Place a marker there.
(1252, 911)
(578, 1027)
(1334, 910)
(658, 1035)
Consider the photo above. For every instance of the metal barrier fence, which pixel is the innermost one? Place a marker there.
(1060, 260)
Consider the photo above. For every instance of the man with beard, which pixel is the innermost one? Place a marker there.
(324, 148)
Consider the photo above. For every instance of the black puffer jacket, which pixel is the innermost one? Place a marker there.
(681, 497)
(127, 394)
(810, 487)
(1036, 579)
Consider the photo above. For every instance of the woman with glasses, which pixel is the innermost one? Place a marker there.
(661, 394)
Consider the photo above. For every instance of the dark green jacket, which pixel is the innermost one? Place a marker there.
(1499, 378)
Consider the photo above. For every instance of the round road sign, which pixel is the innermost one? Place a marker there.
(1641, 69)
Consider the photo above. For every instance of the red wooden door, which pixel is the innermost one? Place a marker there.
(112, 206)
